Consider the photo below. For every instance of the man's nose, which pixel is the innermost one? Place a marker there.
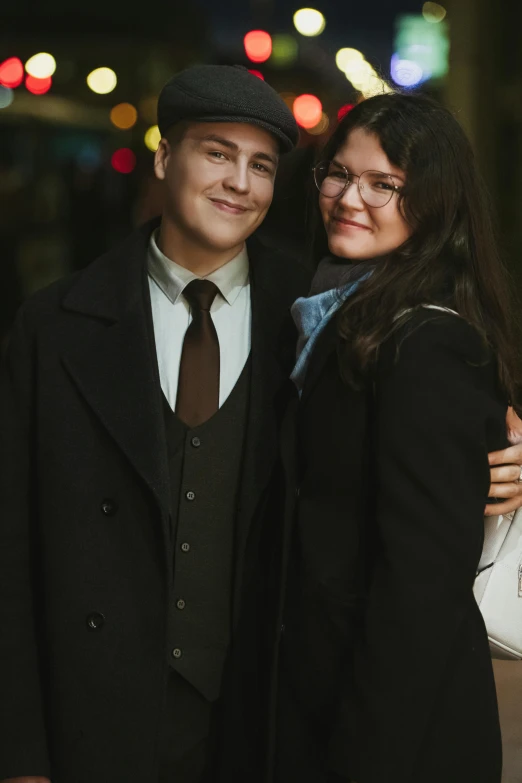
(237, 178)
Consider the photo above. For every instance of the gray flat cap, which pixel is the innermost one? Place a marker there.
(226, 93)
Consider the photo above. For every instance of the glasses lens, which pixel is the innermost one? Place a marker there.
(376, 188)
(330, 179)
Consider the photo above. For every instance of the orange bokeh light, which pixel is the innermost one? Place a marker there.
(308, 110)
(258, 46)
(11, 72)
(124, 116)
(38, 86)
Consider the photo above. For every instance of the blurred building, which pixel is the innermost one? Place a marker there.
(484, 87)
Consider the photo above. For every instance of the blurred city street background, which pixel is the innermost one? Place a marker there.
(78, 93)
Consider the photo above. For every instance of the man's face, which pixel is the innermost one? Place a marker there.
(219, 180)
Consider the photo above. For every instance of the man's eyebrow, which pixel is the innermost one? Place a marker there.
(220, 140)
(265, 156)
(213, 137)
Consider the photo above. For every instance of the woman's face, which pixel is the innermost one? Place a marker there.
(355, 230)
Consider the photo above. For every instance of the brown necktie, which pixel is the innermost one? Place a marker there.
(198, 385)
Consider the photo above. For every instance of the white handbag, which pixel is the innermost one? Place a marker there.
(498, 586)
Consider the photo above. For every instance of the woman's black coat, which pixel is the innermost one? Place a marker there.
(384, 668)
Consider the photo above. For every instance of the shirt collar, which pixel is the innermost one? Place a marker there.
(173, 278)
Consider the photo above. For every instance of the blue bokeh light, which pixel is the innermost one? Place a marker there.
(406, 73)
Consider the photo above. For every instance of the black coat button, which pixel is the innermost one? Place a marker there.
(190, 495)
(109, 507)
(95, 621)
(196, 442)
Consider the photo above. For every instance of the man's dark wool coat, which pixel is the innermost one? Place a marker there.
(85, 552)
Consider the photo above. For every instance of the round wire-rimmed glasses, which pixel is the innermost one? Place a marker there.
(376, 187)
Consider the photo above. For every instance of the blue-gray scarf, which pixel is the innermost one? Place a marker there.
(333, 283)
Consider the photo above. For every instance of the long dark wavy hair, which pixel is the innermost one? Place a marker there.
(451, 258)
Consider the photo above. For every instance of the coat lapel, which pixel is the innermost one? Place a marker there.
(273, 341)
(115, 367)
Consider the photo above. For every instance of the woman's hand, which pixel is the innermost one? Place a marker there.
(506, 470)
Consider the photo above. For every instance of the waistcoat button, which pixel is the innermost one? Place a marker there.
(176, 652)
(109, 507)
(180, 604)
(196, 442)
(95, 621)
(185, 547)
(190, 495)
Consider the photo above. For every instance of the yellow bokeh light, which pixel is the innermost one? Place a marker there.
(433, 12)
(309, 22)
(344, 57)
(374, 85)
(41, 65)
(102, 80)
(124, 116)
(152, 138)
(321, 127)
(358, 72)
(361, 74)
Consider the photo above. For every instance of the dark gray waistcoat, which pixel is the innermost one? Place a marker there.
(205, 471)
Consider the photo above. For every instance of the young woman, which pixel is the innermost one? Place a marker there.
(405, 371)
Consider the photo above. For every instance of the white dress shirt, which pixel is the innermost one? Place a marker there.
(230, 312)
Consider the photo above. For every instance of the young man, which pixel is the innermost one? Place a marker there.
(139, 425)
(139, 420)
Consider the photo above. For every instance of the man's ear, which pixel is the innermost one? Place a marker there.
(161, 159)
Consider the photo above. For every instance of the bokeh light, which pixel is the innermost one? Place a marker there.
(152, 138)
(41, 65)
(89, 157)
(102, 80)
(433, 12)
(308, 110)
(124, 116)
(364, 78)
(344, 57)
(256, 73)
(406, 73)
(284, 50)
(258, 46)
(358, 71)
(423, 43)
(309, 22)
(11, 72)
(321, 127)
(123, 160)
(6, 97)
(38, 86)
(344, 110)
